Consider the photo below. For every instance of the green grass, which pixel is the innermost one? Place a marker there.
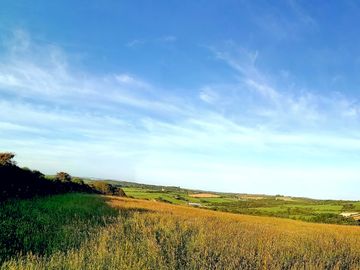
(325, 211)
(49, 224)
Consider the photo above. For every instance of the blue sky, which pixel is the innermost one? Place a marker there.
(241, 96)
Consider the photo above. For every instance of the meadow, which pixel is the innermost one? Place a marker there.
(82, 231)
(305, 209)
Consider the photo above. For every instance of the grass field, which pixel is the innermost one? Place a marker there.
(50, 224)
(77, 231)
(323, 211)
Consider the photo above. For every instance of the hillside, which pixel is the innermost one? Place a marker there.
(92, 232)
(298, 208)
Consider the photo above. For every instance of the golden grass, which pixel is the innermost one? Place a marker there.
(155, 235)
(204, 195)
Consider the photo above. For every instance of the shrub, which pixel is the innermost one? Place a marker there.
(108, 189)
(78, 181)
(16, 182)
(63, 177)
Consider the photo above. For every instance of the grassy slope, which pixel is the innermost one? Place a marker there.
(152, 235)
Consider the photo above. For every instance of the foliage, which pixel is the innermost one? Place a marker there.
(63, 177)
(108, 189)
(332, 218)
(19, 182)
(78, 180)
(6, 159)
(349, 207)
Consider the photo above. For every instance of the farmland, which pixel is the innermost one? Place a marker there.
(305, 209)
(98, 232)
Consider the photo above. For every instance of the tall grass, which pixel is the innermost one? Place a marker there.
(154, 235)
(46, 225)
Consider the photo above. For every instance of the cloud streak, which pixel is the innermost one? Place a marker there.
(56, 116)
(272, 99)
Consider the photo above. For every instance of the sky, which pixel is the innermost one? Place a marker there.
(235, 96)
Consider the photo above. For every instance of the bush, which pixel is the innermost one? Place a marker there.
(63, 177)
(106, 188)
(78, 181)
(333, 218)
(24, 183)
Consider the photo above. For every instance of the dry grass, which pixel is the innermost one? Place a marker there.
(204, 195)
(154, 235)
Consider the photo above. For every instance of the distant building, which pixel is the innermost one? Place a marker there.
(349, 214)
(194, 204)
(353, 215)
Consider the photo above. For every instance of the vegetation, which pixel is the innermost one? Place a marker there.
(46, 225)
(19, 182)
(88, 234)
(6, 159)
(320, 211)
(63, 177)
(106, 188)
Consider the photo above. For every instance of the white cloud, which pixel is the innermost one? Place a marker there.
(139, 42)
(130, 80)
(268, 97)
(135, 42)
(208, 95)
(53, 80)
(58, 117)
(302, 15)
(264, 90)
(288, 25)
(168, 39)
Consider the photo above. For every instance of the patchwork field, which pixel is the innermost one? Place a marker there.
(77, 231)
(204, 195)
(321, 211)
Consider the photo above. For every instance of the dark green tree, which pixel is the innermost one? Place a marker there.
(63, 177)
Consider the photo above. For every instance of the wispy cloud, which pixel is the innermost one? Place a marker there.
(271, 98)
(208, 95)
(159, 40)
(135, 42)
(287, 21)
(45, 75)
(56, 116)
(169, 38)
(300, 12)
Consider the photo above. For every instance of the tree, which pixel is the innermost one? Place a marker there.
(63, 177)
(119, 192)
(108, 189)
(102, 187)
(6, 159)
(78, 181)
(38, 174)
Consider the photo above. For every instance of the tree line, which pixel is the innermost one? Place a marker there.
(16, 182)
